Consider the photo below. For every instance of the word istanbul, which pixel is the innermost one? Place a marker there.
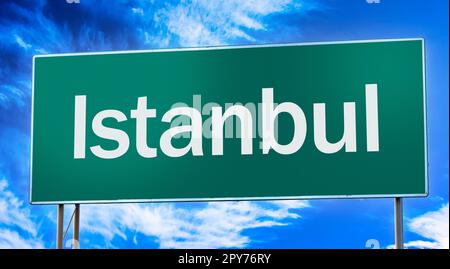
(270, 113)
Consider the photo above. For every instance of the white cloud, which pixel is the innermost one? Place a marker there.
(10, 95)
(22, 43)
(138, 10)
(17, 229)
(13, 212)
(210, 225)
(206, 22)
(12, 240)
(434, 226)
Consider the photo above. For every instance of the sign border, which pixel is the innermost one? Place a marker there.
(307, 197)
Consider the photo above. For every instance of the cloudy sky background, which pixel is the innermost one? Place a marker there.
(39, 27)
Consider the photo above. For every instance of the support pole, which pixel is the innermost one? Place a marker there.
(76, 227)
(60, 227)
(398, 223)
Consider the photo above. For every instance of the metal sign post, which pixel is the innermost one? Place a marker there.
(60, 227)
(398, 223)
(76, 227)
(60, 234)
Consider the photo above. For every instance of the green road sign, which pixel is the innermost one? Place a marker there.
(318, 120)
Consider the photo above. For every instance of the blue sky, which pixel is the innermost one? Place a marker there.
(39, 27)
